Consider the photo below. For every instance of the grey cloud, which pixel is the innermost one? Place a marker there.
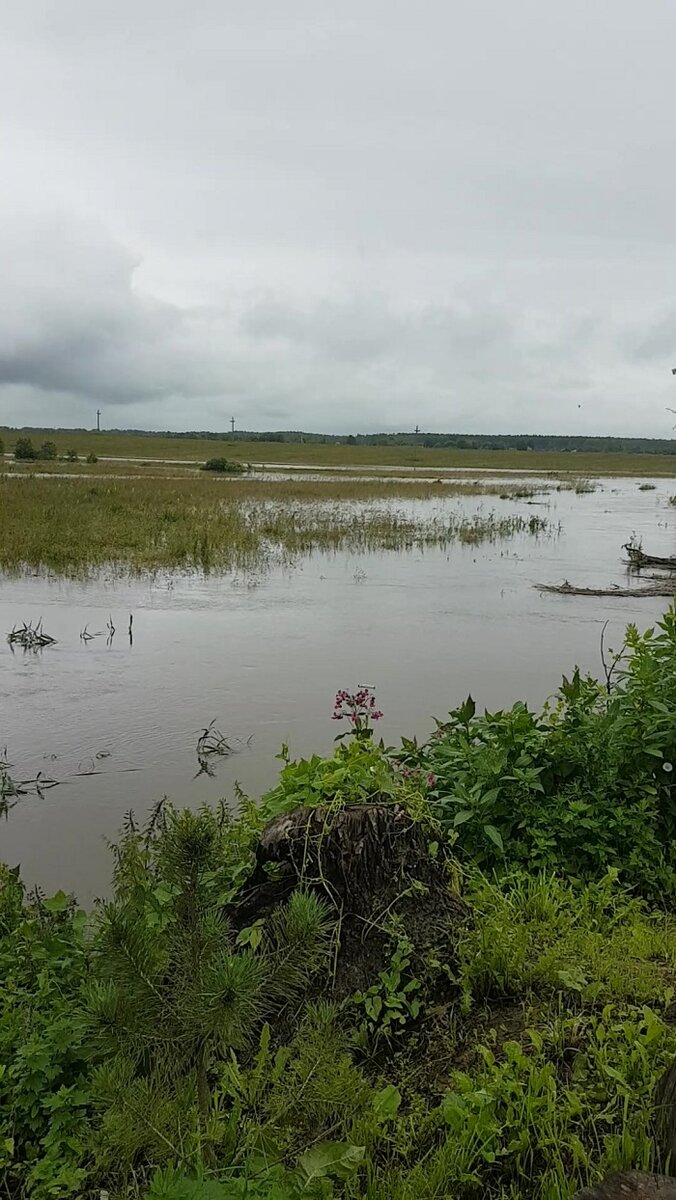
(79, 331)
(338, 218)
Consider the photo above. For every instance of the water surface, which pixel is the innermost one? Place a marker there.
(264, 655)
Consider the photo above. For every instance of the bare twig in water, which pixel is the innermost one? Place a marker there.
(11, 790)
(30, 637)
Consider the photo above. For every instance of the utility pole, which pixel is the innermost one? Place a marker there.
(232, 424)
(98, 420)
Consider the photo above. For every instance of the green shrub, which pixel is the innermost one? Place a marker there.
(44, 1060)
(357, 772)
(24, 450)
(584, 786)
(224, 465)
(92, 458)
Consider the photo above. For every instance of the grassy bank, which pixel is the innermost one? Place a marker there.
(147, 448)
(485, 1011)
(73, 526)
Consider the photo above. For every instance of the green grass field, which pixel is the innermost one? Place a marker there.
(148, 447)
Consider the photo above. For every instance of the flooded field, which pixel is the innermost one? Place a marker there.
(116, 723)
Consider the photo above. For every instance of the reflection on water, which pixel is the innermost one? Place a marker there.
(118, 723)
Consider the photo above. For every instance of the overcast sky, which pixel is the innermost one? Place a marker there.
(359, 216)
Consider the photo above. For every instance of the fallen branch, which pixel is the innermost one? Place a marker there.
(667, 587)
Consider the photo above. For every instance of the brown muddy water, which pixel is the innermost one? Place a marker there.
(264, 655)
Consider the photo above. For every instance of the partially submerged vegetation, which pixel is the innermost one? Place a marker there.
(74, 526)
(442, 970)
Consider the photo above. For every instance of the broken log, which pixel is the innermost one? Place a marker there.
(666, 587)
(631, 1185)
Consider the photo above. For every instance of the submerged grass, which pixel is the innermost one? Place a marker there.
(72, 526)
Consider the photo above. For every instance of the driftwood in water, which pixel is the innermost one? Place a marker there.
(631, 1185)
(638, 558)
(666, 587)
(30, 637)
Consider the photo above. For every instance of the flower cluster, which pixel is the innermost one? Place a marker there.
(415, 774)
(359, 708)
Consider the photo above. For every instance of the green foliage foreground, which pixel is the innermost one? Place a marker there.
(162, 1047)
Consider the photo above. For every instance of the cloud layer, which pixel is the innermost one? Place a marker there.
(354, 221)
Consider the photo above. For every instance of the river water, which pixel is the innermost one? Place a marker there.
(263, 655)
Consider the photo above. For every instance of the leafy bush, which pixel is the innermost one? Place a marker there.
(357, 772)
(71, 456)
(24, 450)
(585, 786)
(44, 1061)
(92, 458)
(227, 465)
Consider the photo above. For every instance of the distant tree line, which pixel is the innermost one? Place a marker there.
(455, 441)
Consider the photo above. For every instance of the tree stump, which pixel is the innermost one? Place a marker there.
(347, 853)
(373, 864)
(665, 1115)
(631, 1185)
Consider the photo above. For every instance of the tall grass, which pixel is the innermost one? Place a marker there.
(73, 526)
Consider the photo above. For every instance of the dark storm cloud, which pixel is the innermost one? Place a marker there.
(353, 217)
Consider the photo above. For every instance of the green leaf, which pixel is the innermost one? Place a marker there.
(495, 836)
(386, 1103)
(374, 1007)
(491, 796)
(336, 1160)
(57, 904)
(464, 815)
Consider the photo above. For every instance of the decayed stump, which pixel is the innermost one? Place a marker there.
(631, 1185)
(665, 1116)
(347, 853)
(372, 863)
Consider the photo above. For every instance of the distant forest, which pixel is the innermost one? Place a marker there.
(458, 441)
